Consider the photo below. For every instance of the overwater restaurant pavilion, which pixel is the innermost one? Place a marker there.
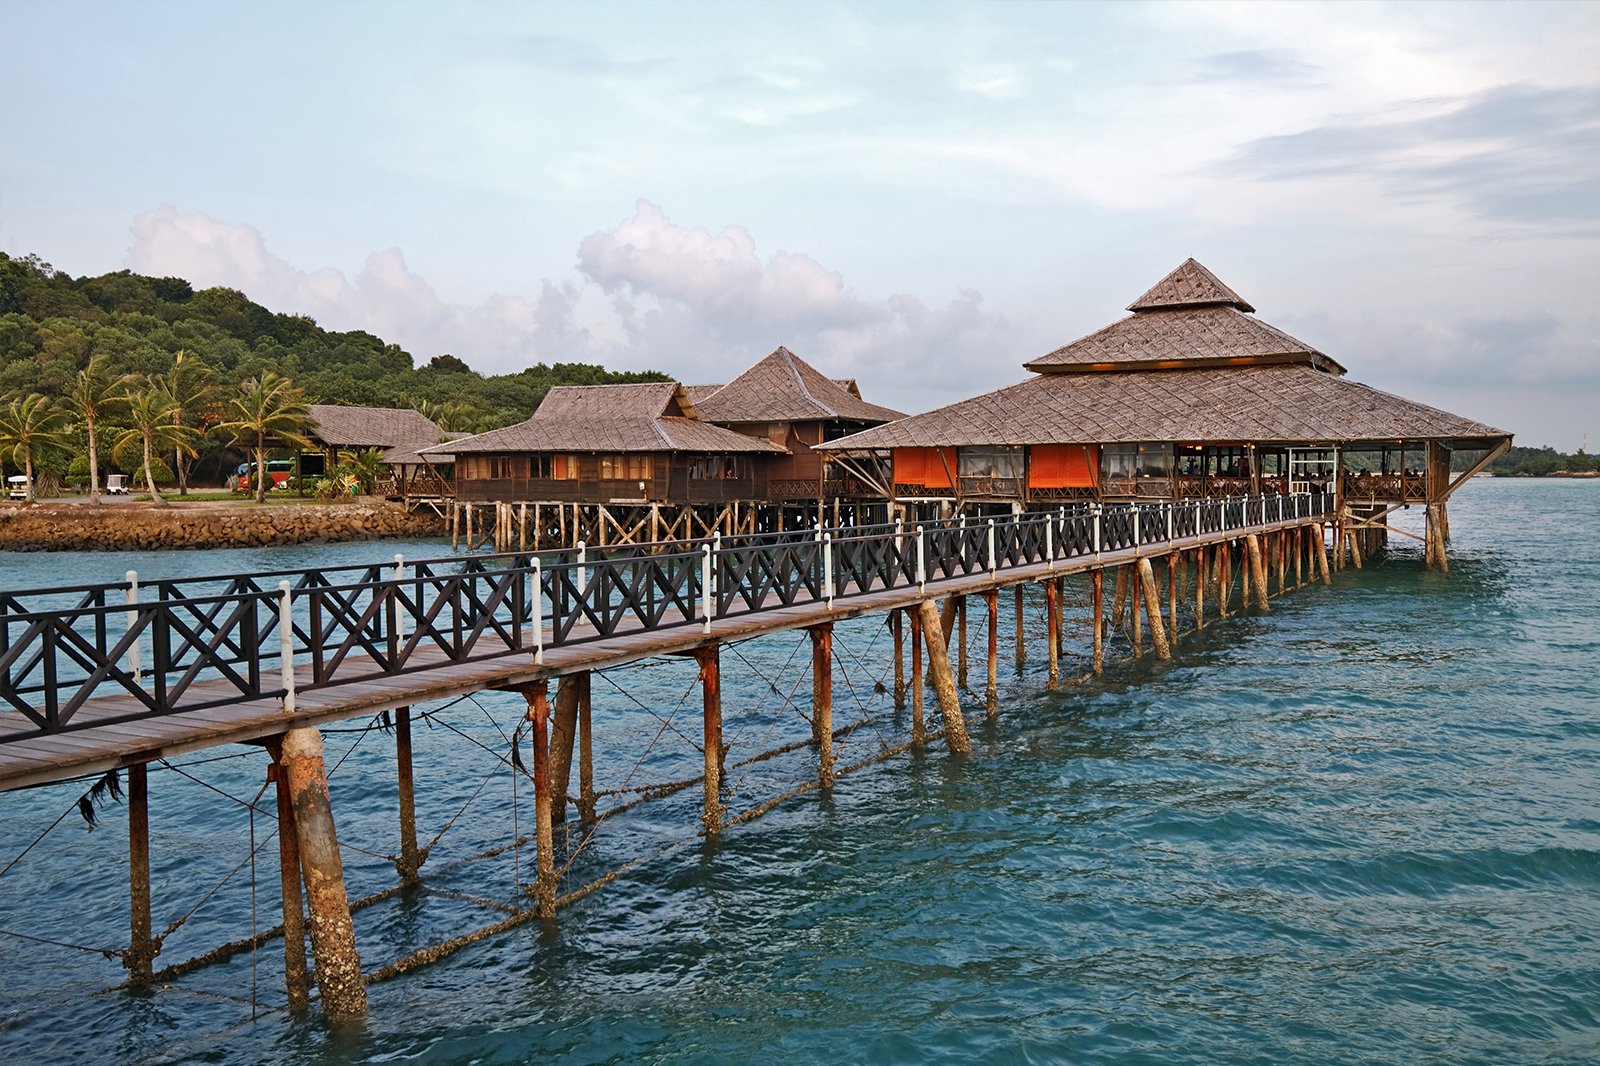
(1189, 396)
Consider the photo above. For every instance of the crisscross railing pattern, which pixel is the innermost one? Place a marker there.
(127, 651)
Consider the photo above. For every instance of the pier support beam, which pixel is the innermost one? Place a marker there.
(991, 693)
(822, 699)
(1022, 651)
(710, 660)
(333, 934)
(918, 728)
(1200, 589)
(1258, 570)
(1052, 608)
(1099, 620)
(563, 737)
(537, 694)
(1172, 598)
(897, 627)
(1322, 554)
(1152, 609)
(944, 683)
(142, 947)
(296, 978)
(411, 858)
(586, 797)
(961, 641)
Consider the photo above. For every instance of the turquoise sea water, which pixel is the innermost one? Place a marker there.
(1363, 828)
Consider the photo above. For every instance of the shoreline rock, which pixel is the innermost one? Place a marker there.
(142, 527)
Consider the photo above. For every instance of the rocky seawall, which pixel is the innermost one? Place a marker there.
(133, 526)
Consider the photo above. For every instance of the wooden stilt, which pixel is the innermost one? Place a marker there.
(333, 936)
(709, 658)
(1224, 578)
(586, 797)
(961, 641)
(918, 728)
(822, 699)
(142, 947)
(1152, 609)
(1052, 610)
(1136, 595)
(563, 735)
(296, 978)
(1200, 591)
(1098, 579)
(1119, 598)
(1172, 597)
(1322, 554)
(1299, 557)
(544, 890)
(1355, 549)
(897, 627)
(1258, 570)
(1020, 628)
(991, 693)
(455, 527)
(1247, 573)
(944, 684)
(410, 860)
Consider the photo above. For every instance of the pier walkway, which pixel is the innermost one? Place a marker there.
(100, 676)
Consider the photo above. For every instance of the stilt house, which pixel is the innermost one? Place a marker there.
(1189, 396)
(399, 433)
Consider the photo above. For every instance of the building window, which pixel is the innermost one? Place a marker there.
(718, 468)
(989, 462)
(503, 467)
(556, 467)
(625, 468)
(1135, 460)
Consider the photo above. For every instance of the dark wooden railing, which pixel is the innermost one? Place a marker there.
(142, 649)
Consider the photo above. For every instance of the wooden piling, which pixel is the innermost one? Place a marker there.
(1020, 628)
(544, 890)
(709, 657)
(410, 859)
(332, 933)
(586, 797)
(1152, 608)
(1052, 610)
(991, 692)
(1200, 591)
(822, 699)
(1322, 554)
(1119, 598)
(1258, 570)
(142, 947)
(918, 727)
(897, 626)
(563, 735)
(1099, 620)
(944, 683)
(1136, 596)
(1172, 597)
(296, 978)
(961, 641)
(1224, 578)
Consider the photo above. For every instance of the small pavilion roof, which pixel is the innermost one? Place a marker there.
(398, 431)
(652, 416)
(785, 388)
(1259, 403)
(1189, 319)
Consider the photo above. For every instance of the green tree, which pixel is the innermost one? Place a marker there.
(96, 394)
(30, 425)
(152, 429)
(268, 407)
(194, 390)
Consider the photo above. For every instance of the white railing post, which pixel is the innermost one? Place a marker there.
(922, 558)
(135, 663)
(583, 571)
(1097, 512)
(1136, 527)
(286, 643)
(399, 615)
(827, 568)
(537, 603)
(1171, 507)
(705, 586)
(1049, 541)
(716, 569)
(992, 563)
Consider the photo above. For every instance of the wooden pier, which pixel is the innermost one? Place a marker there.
(105, 677)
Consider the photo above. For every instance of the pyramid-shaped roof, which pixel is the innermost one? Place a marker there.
(1190, 285)
(1187, 321)
(785, 388)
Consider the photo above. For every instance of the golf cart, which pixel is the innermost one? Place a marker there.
(117, 484)
(17, 486)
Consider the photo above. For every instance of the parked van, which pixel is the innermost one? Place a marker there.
(278, 470)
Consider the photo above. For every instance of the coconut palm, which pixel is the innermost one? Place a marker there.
(152, 430)
(268, 407)
(450, 416)
(96, 394)
(28, 425)
(193, 387)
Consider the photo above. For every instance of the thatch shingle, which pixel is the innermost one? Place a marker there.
(785, 388)
(1190, 285)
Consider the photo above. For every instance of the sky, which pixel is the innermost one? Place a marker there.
(922, 196)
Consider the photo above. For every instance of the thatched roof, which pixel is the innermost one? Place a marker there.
(1263, 403)
(654, 416)
(700, 392)
(1190, 285)
(399, 431)
(785, 388)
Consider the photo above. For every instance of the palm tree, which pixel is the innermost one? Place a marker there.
(451, 415)
(96, 394)
(268, 406)
(30, 424)
(153, 430)
(193, 387)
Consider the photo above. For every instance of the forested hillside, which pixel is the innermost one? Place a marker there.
(52, 323)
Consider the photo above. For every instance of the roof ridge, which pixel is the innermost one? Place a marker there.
(799, 379)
